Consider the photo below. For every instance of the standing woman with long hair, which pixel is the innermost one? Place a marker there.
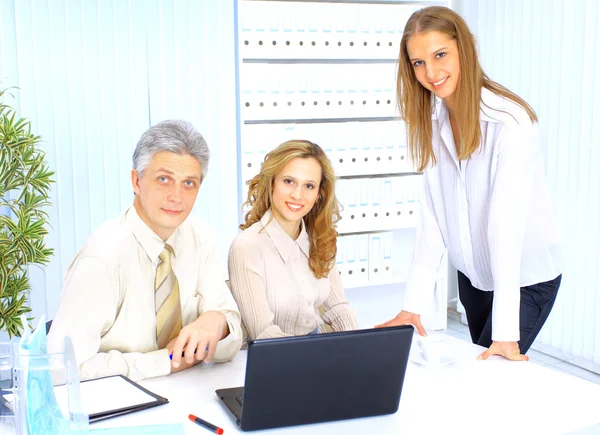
(282, 266)
(485, 193)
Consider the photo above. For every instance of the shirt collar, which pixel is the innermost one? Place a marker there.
(440, 110)
(148, 239)
(490, 108)
(282, 241)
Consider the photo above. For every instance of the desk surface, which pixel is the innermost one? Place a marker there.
(468, 397)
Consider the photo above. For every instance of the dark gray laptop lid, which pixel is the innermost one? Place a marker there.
(324, 377)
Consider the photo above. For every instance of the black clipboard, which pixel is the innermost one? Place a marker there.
(156, 400)
(150, 400)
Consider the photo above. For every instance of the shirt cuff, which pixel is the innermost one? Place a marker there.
(505, 314)
(419, 294)
(229, 346)
(155, 363)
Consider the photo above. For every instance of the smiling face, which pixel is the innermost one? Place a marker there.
(435, 61)
(295, 191)
(166, 192)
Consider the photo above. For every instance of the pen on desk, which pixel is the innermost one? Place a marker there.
(182, 354)
(205, 424)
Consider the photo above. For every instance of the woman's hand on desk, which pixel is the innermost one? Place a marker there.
(507, 349)
(205, 332)
(405, 318)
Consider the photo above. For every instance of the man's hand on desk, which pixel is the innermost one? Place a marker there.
(182, 364)
(205, 332)
(405, 318)
(507, 349)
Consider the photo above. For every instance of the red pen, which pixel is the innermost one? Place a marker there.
(205, 424)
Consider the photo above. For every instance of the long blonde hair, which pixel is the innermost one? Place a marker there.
(416, 103)
(320, 221)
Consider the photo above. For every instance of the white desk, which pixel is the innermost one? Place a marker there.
(469, 397)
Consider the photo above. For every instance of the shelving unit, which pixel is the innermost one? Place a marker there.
(326, 72)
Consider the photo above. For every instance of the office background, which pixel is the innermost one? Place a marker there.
(93, 75)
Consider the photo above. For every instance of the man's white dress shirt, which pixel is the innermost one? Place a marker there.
(107, 303)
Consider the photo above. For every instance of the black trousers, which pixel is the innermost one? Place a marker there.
(536, 303)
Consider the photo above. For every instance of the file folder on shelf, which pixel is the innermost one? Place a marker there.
(362, 266)
(387, 240)
(375, 258)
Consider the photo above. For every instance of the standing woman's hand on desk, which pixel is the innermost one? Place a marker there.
(405, 318)
(508, 349)
(204, 333)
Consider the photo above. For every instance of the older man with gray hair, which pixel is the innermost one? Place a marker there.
(148, 286)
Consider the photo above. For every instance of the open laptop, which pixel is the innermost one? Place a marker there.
(323, 377)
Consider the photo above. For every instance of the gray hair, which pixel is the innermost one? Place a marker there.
(179, 137)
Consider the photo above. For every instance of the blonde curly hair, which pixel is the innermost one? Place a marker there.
(320, 221)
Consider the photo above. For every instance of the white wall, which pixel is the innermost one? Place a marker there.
(93, 76)
(548, 52)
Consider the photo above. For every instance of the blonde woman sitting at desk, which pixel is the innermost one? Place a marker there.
(282, 266)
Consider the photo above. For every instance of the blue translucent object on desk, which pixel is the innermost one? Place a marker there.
(36, 373)
(43, 413)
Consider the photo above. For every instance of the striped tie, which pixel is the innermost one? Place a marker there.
(166, 297)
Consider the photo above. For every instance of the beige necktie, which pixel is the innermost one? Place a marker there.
(166, 297)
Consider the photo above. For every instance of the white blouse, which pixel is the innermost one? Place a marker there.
(276, 292)
(492, 212)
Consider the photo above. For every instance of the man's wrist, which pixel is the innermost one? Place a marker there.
(223, 323)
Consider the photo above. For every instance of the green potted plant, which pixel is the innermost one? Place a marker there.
(24, 193)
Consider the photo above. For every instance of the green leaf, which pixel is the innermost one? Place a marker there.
(25, 182)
